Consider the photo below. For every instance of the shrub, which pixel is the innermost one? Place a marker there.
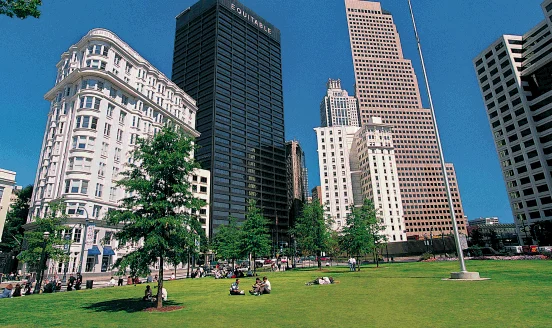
(426, 256)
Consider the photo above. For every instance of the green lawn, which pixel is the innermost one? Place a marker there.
(395, 295)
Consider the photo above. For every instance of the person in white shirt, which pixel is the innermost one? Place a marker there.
(164, 294)
(266, 287)
(111, 282)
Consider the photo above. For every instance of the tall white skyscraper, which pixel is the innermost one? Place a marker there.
(378, 175)
(105, 97)
(338, 108)
(334, 146)
(514, 77)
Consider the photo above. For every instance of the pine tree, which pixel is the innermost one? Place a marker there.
(227, 241)
(53, 223)
(158, 213)
(12, 236)
(312, 231)
(362, 234)
(255, 237)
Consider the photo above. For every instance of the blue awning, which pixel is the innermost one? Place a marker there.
(94, 251)
(108, 251)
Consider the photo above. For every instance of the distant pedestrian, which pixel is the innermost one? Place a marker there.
(129, 280)
(173, 276)
(111, 282)
(120, 281)
(71, 283)
(354, 263)
(149, 279)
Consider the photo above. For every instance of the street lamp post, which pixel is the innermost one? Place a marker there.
(83, 237)
(68, 245)
(46, 235)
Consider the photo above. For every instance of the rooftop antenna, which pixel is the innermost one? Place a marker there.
(463, 274)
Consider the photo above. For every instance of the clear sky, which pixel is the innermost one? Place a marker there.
(315, 47)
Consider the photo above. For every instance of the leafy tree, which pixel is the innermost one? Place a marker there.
(15, 219)
(53, 222)
(157, 214)
(362, 235)
(477, 238)
(196, 240)
(312, 231)
(255, 237)
(227, 241)
(542, 232)
(20, 8)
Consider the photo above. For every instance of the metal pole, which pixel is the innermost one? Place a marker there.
(441, 155)
(41, 264)
(83, 237)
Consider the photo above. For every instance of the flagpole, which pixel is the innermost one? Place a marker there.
(463, 274)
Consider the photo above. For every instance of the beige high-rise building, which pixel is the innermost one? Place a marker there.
(386, 87)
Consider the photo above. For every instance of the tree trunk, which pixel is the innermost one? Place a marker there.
(358, 263)
(377, 259)
(254, 265)
(160, 285)
(188, 266)
(318, 254)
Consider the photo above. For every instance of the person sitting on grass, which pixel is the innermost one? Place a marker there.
(256, 286)
(266, 287)
(235, 288)
(7, 293)
(111, 282)
(147, 294)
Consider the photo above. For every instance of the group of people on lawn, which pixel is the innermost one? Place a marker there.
(148, 294)
(260, 287)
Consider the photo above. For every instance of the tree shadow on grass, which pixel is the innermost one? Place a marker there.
(129, 305)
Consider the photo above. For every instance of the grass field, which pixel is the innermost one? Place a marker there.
(395, 295)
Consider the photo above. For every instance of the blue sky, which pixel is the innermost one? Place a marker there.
(315, 47)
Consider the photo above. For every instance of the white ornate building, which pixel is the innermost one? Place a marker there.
(379, 179)
(105, 97)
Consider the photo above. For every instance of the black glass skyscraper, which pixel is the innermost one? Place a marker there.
(229, 60)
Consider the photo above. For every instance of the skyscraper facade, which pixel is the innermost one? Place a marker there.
(105, 97)
(378, 176)
(297, 187)
(336, 192)
(229, 59)
(514, 77)
(338, 108)
(7, 185)
(386, 87)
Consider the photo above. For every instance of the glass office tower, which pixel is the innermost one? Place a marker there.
(228, 59)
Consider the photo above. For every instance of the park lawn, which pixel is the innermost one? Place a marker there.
(395, 295)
